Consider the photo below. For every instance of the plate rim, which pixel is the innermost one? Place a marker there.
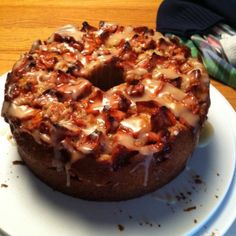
(230, 197)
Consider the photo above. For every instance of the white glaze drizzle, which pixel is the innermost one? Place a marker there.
(115, 38)
(168, 73)
(67, 168)
(140, 123)
(21, 112)
(75, 89)
(146, 165)
(72, 31)
(126, 140)
(68, 124)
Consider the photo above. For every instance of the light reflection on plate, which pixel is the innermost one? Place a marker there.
(181, 207)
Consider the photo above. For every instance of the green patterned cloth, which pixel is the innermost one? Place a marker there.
(216, 66)
(213, 58)
(190, 44)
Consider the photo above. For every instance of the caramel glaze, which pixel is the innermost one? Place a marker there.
(112, 92)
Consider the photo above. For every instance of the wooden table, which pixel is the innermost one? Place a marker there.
(23, 21)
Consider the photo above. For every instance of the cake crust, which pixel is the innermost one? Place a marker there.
(91, 181)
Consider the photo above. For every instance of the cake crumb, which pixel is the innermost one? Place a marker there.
(195, 221)
(9, 137)
(18, 162)
(190, 208)
(120, 227)
(197, 179)
(4, 185)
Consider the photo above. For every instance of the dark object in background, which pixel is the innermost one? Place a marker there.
(187, 17)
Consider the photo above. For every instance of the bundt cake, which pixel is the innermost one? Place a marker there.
(107, 113)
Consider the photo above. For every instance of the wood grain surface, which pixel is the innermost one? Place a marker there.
(23, 21)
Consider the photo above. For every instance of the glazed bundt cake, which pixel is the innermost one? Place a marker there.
(107, 113)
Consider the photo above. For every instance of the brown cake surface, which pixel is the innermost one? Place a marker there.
(107, 113)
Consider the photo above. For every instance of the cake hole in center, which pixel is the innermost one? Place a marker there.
(106, 77)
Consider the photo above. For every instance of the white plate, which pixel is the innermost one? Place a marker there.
(183, 207)
(225, 215)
